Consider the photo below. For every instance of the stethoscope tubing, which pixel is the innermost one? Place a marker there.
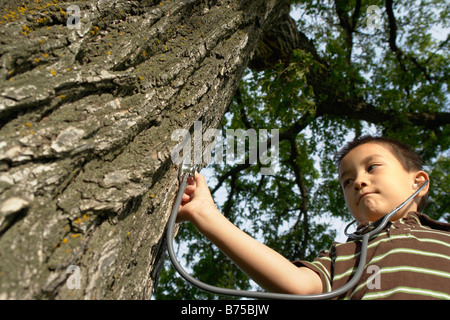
(364, 238)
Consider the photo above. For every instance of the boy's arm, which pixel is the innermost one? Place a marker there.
(265, 266)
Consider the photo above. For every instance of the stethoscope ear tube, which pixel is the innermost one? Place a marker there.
(268, 295)
(377, 226)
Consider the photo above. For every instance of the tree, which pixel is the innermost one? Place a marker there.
(90, 92)
(345, 68)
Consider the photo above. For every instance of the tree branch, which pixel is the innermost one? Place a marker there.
(337, 103)
(393, 44)
(392, 27)
(347, 23)
(287, 134)
(229, 173)
(244, 117)
(357, 109)
(229, 203)
(299, 180)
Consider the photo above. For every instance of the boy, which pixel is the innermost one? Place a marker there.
(410, 258)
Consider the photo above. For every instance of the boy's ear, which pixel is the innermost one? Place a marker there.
(419, 180)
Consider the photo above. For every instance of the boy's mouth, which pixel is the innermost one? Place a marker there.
(362, 195)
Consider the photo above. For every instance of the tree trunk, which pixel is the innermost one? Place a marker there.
(87, 108)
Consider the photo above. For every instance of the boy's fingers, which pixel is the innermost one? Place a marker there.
(190, 189)
(200, 180)
(185, 197)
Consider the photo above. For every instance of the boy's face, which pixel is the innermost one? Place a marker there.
(374, 182)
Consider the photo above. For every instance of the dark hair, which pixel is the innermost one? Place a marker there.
(404, 154)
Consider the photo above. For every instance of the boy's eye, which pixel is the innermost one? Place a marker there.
(346, 183)
(371, 167)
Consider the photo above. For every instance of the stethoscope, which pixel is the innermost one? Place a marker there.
(363, 234)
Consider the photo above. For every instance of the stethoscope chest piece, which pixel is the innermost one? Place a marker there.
(186, 169)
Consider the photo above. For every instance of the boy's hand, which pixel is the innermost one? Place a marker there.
(264, 265)
(196, 198)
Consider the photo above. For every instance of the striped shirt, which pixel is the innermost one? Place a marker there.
(409, 259)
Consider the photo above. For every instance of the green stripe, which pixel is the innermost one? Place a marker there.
(409, 290)
(325, 272)
(410, 251)
(393, 251)
(344, 274)
(415, 269)
(395, 237)
(447, 244)
(402, 269)
(442, 233)
(384, 238)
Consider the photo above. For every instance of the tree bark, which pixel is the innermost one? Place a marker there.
(86, 116)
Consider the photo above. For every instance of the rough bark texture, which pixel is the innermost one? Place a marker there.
(86, 117)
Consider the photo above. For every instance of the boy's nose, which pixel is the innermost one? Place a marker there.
(359, 184)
